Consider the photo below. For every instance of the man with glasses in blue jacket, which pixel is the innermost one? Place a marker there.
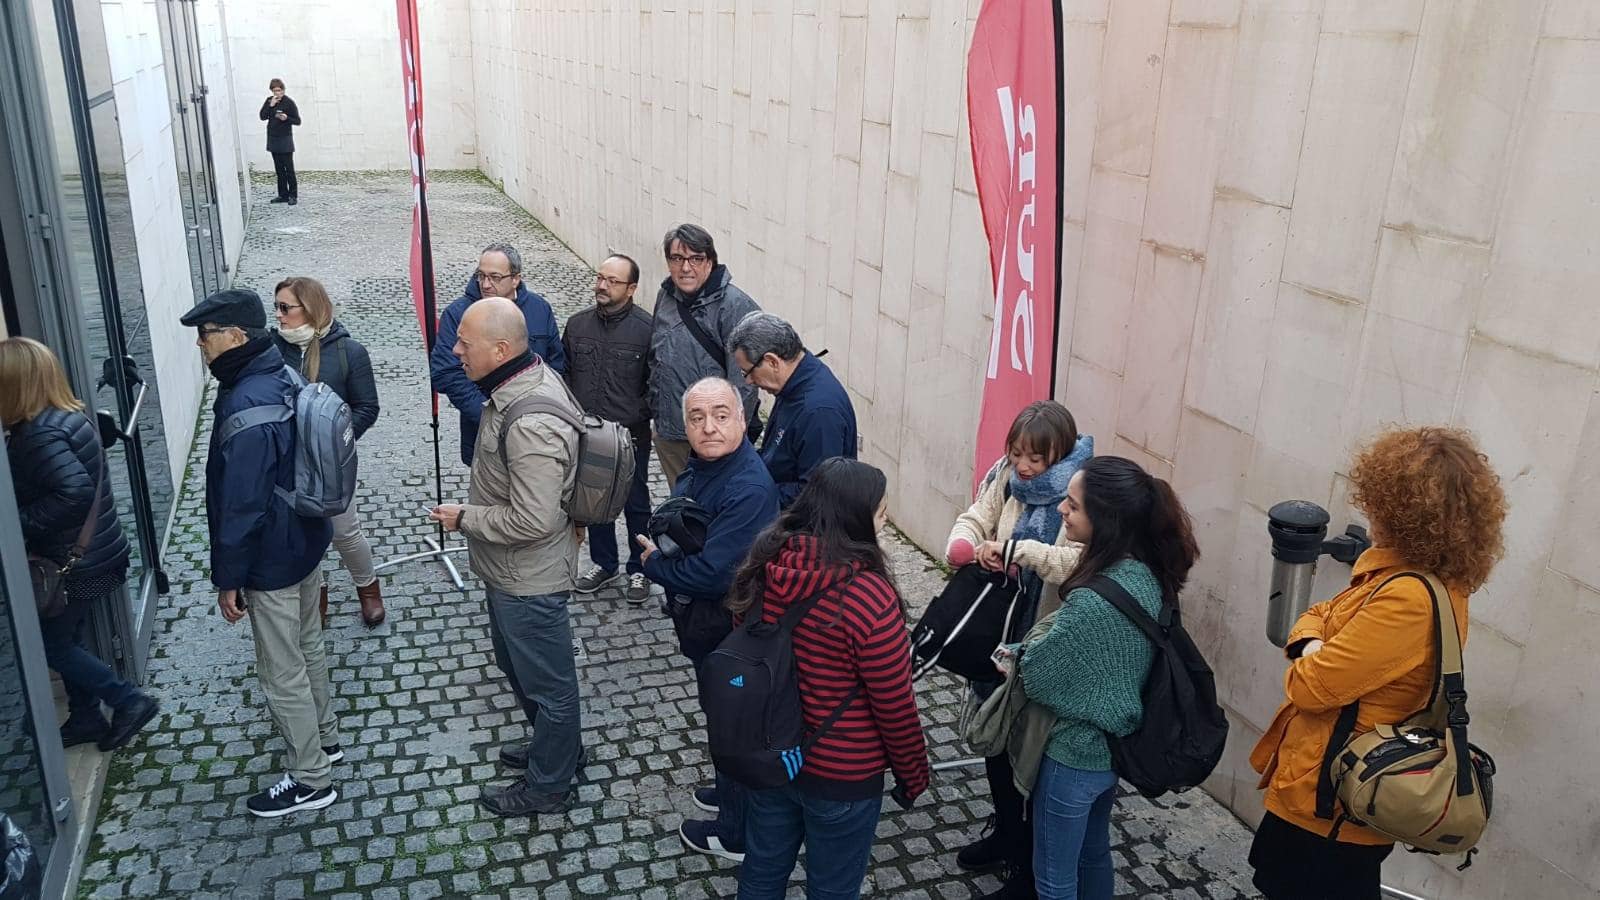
(499, 274)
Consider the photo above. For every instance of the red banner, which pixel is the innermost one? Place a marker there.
(422, 295)
(1014, 105)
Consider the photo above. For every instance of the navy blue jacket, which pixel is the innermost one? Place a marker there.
(55, 461)
(812, 421)
(449, 379)
(257, 541)
(742, 500)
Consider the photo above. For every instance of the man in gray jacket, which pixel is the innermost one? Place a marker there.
(696, 309)
(524, 546)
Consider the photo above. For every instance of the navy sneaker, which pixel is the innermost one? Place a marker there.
(704, 837)
(334, 752)
(706, 799)
(87, 728)
(126, 720)
(290, 796)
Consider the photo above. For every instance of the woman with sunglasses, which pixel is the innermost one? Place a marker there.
(313, 342)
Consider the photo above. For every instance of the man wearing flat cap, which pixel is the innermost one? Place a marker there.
(265, 558)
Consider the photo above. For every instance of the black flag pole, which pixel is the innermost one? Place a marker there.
(422, 274)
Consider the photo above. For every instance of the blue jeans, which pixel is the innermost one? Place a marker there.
(88, 681)
(636, 512)
(1072, 832)
(837, 834)
(532, 638)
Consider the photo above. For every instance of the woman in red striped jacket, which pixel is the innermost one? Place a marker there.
(850, 649)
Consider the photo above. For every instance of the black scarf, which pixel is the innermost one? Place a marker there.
(227, 366)
(488, 383)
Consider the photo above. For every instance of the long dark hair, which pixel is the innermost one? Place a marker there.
(1134, 514)
(836, 507)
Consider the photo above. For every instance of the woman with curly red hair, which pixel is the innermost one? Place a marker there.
(1434, 505)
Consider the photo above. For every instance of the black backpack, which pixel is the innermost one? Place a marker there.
(750, 692)
(969, 618)
(1181, 737)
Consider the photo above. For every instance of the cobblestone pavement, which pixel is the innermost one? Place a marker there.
(422, 709)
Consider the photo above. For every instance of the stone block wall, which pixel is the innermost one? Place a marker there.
(1288, 223)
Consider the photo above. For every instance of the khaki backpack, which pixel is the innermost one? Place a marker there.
(604, 460)
(1420, 781)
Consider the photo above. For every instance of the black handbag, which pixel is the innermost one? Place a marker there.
(50, 578)
(967, 621)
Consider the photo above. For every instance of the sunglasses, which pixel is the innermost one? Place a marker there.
(283, 308)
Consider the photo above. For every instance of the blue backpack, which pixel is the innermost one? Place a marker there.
(324, 445)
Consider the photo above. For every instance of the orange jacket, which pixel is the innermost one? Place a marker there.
(1378, 649)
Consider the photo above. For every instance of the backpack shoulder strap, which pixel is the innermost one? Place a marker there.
(710, 344)
(250, 418)
(1118, 596)
(535, 404)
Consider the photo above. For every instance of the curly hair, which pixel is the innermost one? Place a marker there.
(1432, 496)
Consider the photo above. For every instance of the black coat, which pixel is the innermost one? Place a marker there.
(55, 461)
(280, 135)
(608, 364)
(344, 366)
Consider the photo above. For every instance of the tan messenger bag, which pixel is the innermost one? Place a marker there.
(1419, 782)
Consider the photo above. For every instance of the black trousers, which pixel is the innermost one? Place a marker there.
(1292, 863)
(1015, 832)
(283, 163)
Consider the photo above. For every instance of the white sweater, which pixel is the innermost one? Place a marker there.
(993, 517)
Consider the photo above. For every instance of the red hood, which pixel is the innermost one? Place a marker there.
(799, 570)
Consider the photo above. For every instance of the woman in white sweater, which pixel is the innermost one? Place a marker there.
(1017, 505)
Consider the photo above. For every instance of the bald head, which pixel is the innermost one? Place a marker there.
(492, 331)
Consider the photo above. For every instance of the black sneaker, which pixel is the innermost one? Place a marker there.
(706, 799)
(279, 200)
(88, 728)
(518, 800)
(1018, 885)
(593, 580)
(290, 796)
(294, 201)
(514, 756)
(334, 752)
(704, 837)
(986, 853)
(638, 590)
(126, 720)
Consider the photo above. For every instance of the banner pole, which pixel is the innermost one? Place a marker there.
(1061, 187)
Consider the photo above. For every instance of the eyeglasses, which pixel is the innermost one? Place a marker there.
(493, 279)
(284, 308)
(746, 372)
(606, 281)
(697, 260)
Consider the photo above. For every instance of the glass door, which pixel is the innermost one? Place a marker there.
(180, 45)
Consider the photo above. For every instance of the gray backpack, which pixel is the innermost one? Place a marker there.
(324, 445)
(605, 457)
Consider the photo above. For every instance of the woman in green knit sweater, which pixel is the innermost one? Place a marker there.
(1090, 667)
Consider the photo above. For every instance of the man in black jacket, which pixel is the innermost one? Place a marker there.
(265, 557)
(281, 116)
(608, 368)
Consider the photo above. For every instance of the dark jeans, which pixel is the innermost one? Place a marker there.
(1072, 832)
(532, 638)
(1011, 826)
(636, 512)
(283, 164)
(732, 798)
(837, 834)
(1291, 862)
(89, 682)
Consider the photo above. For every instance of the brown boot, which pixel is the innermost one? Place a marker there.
(371, 604)
(323, 604)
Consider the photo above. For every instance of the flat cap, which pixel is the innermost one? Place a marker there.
(239, 307)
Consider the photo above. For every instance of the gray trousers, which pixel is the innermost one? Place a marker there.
(292, 663)
(532, 638)
(355, 551)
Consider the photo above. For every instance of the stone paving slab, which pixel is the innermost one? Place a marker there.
(422, 708)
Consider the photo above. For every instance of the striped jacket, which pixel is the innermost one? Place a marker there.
(854, 635)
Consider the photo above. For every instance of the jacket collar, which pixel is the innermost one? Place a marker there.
(1376, 561)
(708, 469)
(802, 375)
(519, 385)
(716, 282)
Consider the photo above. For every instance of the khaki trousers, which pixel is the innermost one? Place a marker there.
(674, 458)
(292, 663)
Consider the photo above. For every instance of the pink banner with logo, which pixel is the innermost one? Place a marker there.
(1015, 108)
(422, 293)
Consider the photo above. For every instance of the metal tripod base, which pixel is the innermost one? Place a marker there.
(443, 553)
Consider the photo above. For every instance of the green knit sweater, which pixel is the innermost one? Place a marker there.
(1090, 669)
